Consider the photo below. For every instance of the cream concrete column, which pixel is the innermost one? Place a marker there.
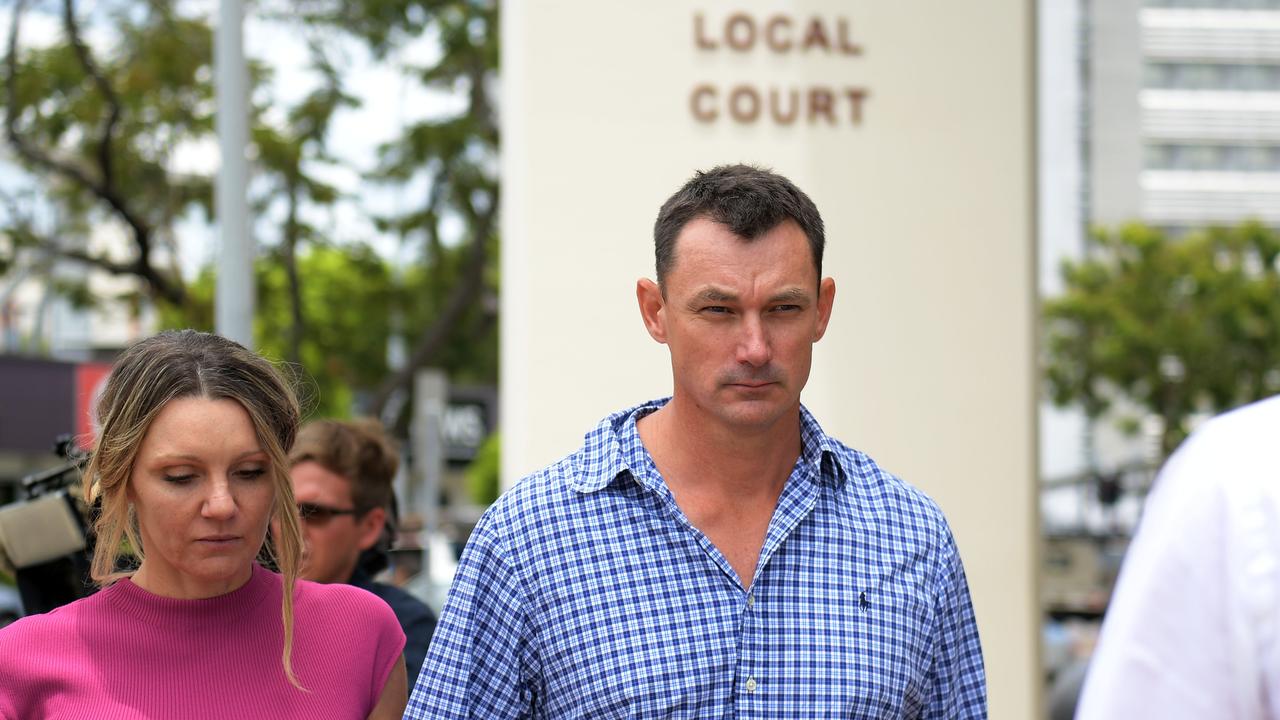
(910, 125)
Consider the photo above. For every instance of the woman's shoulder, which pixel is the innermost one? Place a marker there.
(58, 631)
(35, 630)
(31, 632)
(345, 616)
(338, 601)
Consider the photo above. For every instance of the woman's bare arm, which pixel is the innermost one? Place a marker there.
(395, 694)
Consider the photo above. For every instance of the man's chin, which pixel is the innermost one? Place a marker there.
(750, 414)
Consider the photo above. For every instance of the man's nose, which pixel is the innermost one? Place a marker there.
(753, 343)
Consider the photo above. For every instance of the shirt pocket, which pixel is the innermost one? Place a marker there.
(892, 646)
(859, 647)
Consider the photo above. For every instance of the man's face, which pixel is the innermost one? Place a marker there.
(333, 535)
(740, 319)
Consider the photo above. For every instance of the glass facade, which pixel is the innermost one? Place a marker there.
(1213, 158)
(1250, 77)
(1216, 4)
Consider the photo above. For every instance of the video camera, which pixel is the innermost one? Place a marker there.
(45, 534)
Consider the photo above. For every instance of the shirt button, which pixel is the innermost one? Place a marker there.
(751, 685)
(751, 601)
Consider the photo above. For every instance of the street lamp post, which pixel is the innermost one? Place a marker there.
(234, 300)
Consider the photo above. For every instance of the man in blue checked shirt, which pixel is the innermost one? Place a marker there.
(714, 554)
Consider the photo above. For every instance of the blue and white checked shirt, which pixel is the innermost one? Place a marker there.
(585, 592)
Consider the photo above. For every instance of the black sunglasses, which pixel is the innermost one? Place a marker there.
(321, 514)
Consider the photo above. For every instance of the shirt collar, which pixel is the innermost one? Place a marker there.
(614, 448)
(819, 450)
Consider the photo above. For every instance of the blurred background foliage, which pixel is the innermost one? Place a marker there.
(483, 478)
(98, 116)
(1177, 328)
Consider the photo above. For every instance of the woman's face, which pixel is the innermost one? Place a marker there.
(202, 493)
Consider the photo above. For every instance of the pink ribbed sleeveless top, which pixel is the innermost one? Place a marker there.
(126, 653)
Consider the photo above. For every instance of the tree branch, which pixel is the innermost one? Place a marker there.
(461, 298)
(28, 151)
(97, 261)
(104, 87)
(292, 231)
(465, 293)
(104, 188)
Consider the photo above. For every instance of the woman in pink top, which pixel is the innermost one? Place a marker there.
(191, 468)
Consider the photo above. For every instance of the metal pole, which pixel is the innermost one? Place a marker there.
(234, 299)
(430, 390)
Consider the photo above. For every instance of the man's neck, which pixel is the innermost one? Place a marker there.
(690, 448)
(726, 480)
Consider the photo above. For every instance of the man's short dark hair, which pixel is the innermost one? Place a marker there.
(749, 200)
(358, 450)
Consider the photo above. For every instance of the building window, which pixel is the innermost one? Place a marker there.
(1220, 158)
(1216, 4)
(1212, 76)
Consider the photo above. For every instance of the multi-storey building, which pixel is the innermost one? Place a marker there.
(1160, 111)
(1183, 111)
(1165, 112)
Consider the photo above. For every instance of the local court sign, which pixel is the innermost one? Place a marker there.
(781, 34)
(910, 125)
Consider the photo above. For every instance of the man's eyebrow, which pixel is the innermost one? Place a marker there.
(792, 295)
(713, 294)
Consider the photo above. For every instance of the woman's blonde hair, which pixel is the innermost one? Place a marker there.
(186, 363)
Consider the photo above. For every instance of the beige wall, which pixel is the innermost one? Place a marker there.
(928, 363)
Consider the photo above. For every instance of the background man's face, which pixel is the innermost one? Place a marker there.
(740, 319)
(332, 544)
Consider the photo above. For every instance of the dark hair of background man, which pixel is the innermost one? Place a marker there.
(357, 450)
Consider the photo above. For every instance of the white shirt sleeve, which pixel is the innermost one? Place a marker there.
(1191, 626)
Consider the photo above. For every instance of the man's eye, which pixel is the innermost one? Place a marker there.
(785, 308)
(715, 309)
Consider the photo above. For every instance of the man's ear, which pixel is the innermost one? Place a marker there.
(826, 296)
(371, 527)
(652, 308)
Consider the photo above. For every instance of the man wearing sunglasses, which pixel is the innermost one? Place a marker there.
(342, 473)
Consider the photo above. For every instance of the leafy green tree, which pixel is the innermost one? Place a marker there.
(98, 127)
(455, 158)
(289, 155)
(347, 297)
(484, 475)
(444, 305)
(1175, 327)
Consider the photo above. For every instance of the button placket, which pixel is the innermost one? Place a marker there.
(751, 628)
